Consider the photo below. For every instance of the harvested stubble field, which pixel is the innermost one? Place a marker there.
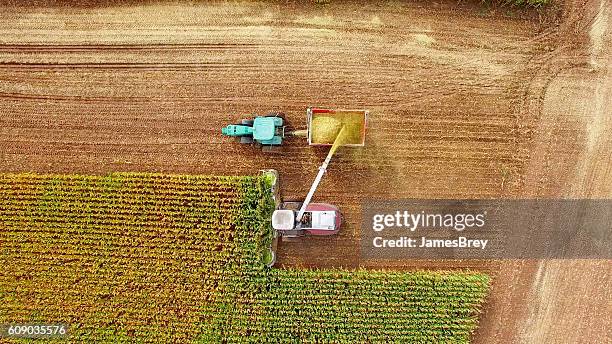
(466, 102)
(158, 258)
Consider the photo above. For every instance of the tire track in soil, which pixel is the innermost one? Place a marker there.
(569, 300)
(94, 90)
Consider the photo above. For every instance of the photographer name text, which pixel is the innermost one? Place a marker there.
(412, 222)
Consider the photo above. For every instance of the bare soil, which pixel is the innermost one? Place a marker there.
(465, 101)
(571, 101)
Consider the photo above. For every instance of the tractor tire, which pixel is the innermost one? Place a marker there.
(248, 122)
(271, 149)
(291, 239)
(293, 203)
(246, 140)
(276, 114)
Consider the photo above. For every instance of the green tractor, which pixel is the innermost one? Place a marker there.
(268, 130)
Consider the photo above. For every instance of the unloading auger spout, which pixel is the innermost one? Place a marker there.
(322, 169)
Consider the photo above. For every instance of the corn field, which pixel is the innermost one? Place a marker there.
(296, 306)
(156, 258)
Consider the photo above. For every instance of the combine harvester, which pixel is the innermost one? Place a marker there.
(333, 128)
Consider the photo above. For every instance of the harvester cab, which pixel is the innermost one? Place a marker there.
(317, 219)
(266, 130)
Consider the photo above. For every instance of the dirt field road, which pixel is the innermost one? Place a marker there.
(107, 88)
